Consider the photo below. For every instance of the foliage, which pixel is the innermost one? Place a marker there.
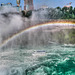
(26, 13)
(67, 13)
(53, 13)
(72, 36)
(69, 36)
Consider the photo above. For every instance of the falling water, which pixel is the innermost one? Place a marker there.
(35, 49)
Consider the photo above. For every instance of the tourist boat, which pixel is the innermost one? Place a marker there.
(39, 53)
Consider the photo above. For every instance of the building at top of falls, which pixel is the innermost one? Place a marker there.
(8, 4)
(68, 5)
(28, 5)
(18, 8)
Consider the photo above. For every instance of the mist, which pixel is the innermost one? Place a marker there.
(9, 24)
(37, 50)
(12, 22)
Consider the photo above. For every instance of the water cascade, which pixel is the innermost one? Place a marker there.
(36, 49)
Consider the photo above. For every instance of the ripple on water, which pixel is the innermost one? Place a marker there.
(57, 60)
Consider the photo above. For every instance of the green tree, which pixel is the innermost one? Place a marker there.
(58, 8)
(26, 13)
(74, 11)
(64, 9)
(71, 10)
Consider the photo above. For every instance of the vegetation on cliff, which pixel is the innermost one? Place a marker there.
(66, 36)
(67, 13)
(54, 13)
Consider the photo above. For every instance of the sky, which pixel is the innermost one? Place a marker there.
(39, 3)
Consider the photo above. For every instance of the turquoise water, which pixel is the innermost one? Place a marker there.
(46, 60)
(60, 60)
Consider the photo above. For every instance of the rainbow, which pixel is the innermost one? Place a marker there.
(56, 23)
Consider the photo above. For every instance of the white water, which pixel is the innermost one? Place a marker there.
(27, 60)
